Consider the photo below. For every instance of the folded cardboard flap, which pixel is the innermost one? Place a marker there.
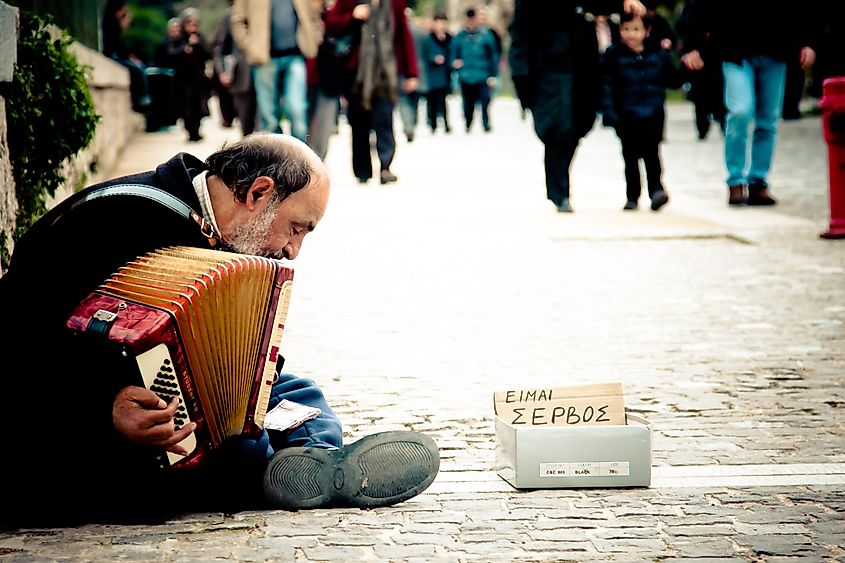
(582, 405)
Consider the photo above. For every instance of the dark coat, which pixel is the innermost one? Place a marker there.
(339, 21)
(56, 417)
(634, 84)
(554, 60)
(192, 84)
(738, 30)
(439, 75)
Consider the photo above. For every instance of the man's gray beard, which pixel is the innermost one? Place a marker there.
(253, 236)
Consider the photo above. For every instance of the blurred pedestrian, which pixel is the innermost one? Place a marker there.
(636, 75)
(755, 42)
(409, 101)
(234, 74)
(382, 53)
(116, 20)
(277, 36)
(190, 56)
(476, 60)
(707, 86)
(325, 74)
(438, 60)
(554, 59)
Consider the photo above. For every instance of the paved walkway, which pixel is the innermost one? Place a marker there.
(414, 302)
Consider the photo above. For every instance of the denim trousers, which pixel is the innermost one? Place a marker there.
(753, 92)
(281, 88)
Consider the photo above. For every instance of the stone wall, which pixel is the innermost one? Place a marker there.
(109, 85)
(8, 55)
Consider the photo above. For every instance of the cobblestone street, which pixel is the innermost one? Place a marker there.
(415, 301)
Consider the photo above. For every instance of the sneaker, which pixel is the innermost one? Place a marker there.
(378, 470)
(630, 205)
(362, 180)
(387, 177)
(563, 206)
(659, 199)
(759, 194)
(736, 195)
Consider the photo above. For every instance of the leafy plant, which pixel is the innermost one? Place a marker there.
(50, 116)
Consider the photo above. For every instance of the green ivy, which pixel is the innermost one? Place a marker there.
(50, 116)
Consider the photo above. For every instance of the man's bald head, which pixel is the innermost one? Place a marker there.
(289, 162)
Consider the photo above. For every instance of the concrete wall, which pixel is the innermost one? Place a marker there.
(8, 55)
(109, 86)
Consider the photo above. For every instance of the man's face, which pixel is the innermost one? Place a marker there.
(633, 34)
(277, 229)
(439, 26)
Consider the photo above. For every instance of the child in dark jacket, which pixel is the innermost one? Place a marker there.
(636, 75)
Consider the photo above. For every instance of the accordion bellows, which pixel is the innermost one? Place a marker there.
(202, 325)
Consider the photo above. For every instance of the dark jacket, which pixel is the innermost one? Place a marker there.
(748, 28)
(439, 75)
(554, 60)
(230, 59)
(477, 50)
(634, 84)
(339, 21)
(56, 417)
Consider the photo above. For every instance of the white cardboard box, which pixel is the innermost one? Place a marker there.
(559, 457)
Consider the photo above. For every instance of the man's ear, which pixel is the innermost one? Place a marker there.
(261, 190)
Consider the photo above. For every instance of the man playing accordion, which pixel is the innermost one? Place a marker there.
(81, 438)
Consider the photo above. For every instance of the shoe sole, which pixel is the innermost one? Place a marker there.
(378, 470)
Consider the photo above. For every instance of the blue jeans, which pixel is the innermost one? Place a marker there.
(753, 91)
(325, 431)
(288, 72)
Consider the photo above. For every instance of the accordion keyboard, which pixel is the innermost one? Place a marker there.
(159, 376)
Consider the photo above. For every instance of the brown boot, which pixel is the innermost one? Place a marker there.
(759, 194)
(736, 195)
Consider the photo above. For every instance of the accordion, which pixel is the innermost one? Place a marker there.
(201, 325)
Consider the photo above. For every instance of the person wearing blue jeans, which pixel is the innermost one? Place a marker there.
(292, 100)
(276, 37)
(754, 42)
(753, 93)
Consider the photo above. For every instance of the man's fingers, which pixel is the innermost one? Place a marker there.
(177, 450)
(157, 417)
(145, 398)
(178, 436)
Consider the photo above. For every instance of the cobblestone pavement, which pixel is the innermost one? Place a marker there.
(415, 301)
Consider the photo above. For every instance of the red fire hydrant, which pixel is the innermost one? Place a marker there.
(832, 105)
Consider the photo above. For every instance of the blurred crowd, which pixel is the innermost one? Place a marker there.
(299, 66)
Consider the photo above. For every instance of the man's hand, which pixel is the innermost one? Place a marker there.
(457, 64)
(439, 59)
(410, 85)
(808, 57)
(225, 79)
(361, 12)
(144, 418)
(692, 60)
(666, 44)
(634, 7)
(491, 82)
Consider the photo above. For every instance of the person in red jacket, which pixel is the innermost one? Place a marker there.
(382, 52)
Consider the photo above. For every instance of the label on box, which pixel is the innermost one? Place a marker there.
(585, 469)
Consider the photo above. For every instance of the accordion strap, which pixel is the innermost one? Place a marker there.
(157, 195)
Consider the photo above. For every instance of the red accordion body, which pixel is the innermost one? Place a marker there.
(201, 325)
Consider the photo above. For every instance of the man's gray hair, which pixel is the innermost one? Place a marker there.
(239, 164)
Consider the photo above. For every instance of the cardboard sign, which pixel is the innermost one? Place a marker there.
(562, 406)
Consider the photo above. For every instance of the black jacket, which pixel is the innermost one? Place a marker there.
(554, 60)
(56, 416)
(748, 28)
(634, 84)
